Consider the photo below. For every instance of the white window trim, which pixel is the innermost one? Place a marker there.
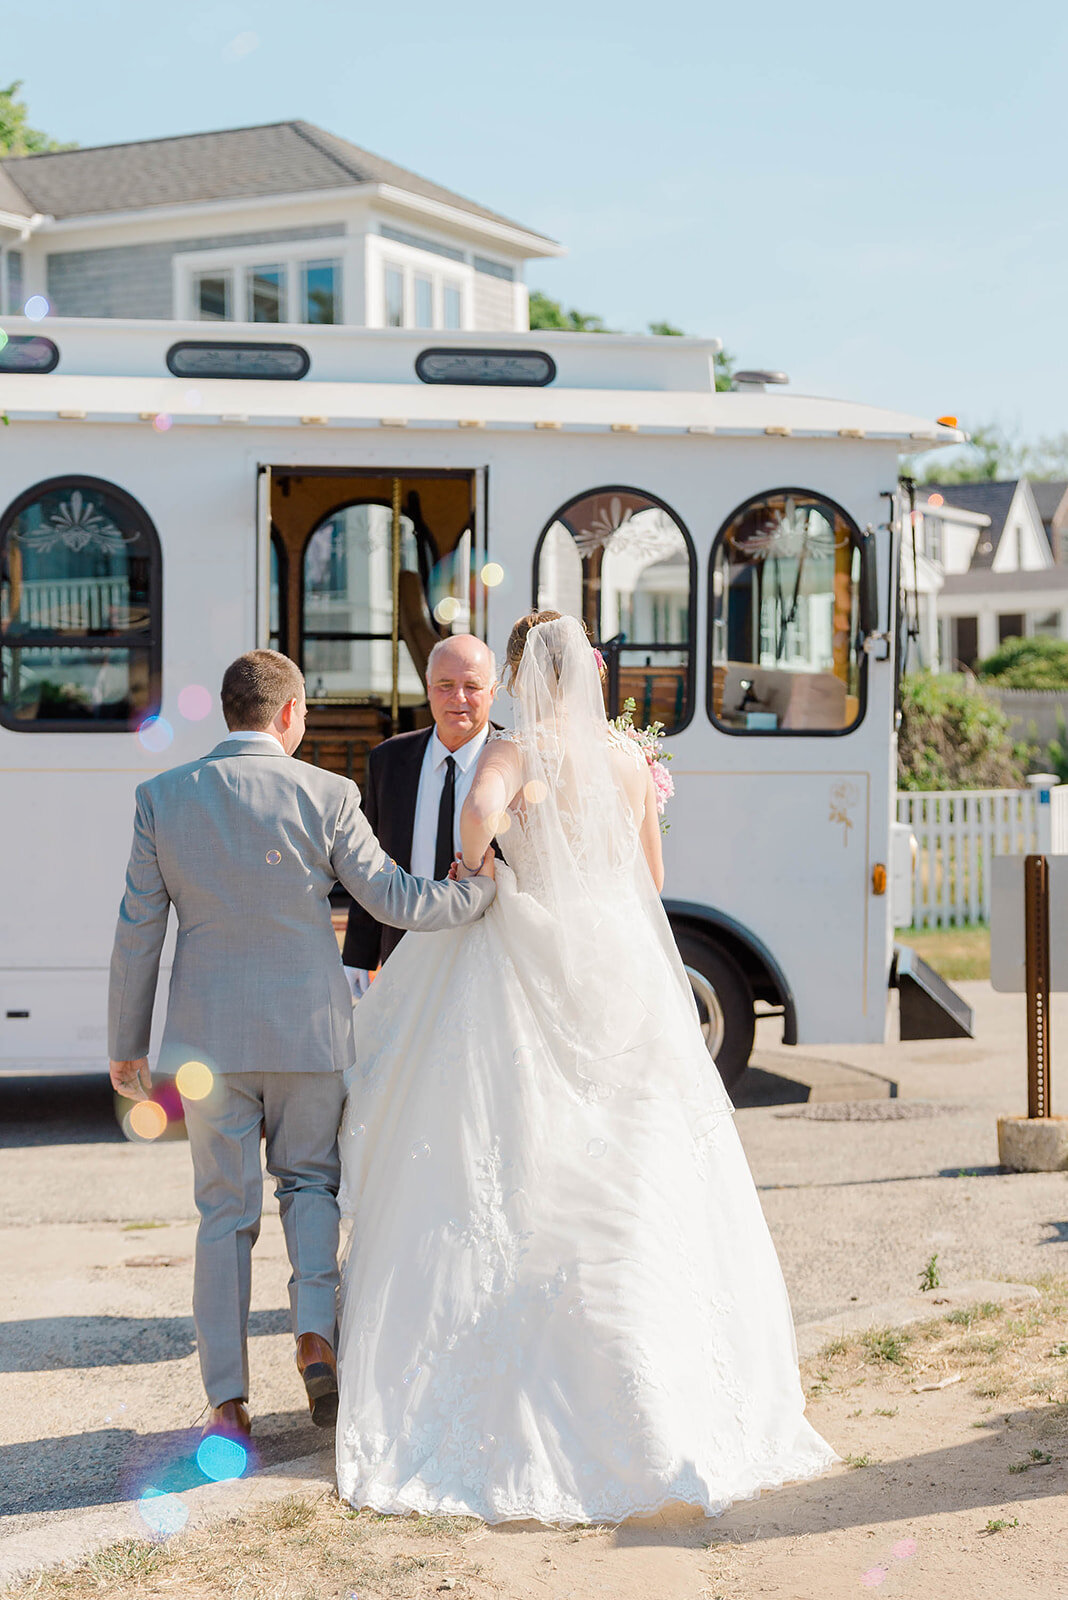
(383, 254)
(290, 256)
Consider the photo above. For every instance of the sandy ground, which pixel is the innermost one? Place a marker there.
(99, 1390)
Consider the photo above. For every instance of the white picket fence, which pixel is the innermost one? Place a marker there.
(957, 831)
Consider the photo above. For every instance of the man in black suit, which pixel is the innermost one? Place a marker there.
(416, 784)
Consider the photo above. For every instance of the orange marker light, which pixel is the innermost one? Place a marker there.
(948, 422)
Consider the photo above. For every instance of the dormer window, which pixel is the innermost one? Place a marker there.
(302, 285)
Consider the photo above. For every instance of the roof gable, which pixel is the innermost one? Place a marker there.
(993, 498)
(278, 158)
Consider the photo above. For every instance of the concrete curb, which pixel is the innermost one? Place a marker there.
(73, 1540)
(907, 1309)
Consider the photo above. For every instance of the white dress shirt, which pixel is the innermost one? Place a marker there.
(428, 799)
(255, 733)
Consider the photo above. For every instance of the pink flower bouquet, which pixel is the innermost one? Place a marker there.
(650, 742)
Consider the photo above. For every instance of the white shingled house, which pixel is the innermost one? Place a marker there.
(274, 224)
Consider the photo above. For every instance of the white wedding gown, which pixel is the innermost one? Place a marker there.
(561, 1300)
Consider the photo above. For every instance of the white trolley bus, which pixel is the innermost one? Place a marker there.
(170, 498)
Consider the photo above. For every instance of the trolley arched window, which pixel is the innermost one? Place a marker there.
(348, 605)
(622, 561)
(784, 617)
(80, 609)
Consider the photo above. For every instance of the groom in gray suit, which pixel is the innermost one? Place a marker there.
(246, 844)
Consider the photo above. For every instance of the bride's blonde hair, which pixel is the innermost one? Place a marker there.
(517, 640)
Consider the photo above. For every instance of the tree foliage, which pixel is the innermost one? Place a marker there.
(17, 138)
(993, 454)
(953, 736)
(550, 316)
(1038, 663)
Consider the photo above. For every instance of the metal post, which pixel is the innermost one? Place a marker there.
(1037, 965)
(395, 544)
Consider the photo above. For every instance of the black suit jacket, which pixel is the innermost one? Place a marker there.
(390, 791)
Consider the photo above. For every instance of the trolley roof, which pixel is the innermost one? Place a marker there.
(117, 371)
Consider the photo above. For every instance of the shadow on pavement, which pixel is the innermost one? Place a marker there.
(44, 1344)
(53, 1110)
(758, 1087)
(113, 1465)
(958, 1478)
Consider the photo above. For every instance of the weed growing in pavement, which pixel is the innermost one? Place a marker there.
(930, 1277)
(1036, 1458)
(997, 1524)
(857, 1461)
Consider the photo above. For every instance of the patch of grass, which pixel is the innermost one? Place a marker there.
(1060, 1349)
(833, 1348)
(1036, 1458)
(142, 1227)
(886, 1411)
(998, 1524)
(292, 1512)
(854, 1462)
(956, 953)
(886, 1344)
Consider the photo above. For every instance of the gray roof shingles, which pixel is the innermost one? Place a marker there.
(277, 158)
(992, 498)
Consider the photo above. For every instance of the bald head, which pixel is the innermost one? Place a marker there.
(461, 676)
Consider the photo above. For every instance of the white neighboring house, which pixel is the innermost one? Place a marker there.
(985, 572)
(284, 223)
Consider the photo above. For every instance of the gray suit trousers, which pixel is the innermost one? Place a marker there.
(300, 1113)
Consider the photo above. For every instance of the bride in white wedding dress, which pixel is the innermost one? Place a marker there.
(561, 1300)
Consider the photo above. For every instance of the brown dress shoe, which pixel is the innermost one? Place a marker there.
(231, 1419)
(317, 1365)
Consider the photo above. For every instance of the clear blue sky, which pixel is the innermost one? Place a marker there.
(871, 197)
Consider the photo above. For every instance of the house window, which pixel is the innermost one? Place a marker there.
(14, 282)
(621, 560)
(1010, 625)
(933, 538)
(965, 642)
(394, 298)
(784, 613)
(1047, 624)
(453, 306)
(266, 294)
(80, 608)
(424, 303)
(213, 296)
(321, 297)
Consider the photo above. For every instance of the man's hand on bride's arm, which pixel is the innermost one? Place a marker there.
(131, 1078)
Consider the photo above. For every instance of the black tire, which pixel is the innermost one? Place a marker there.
(717, 979)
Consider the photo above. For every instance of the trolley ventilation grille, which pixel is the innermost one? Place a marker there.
(28, 352)
(221, 358)
(509, 369)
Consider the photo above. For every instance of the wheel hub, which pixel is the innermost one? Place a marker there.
(713, 1023)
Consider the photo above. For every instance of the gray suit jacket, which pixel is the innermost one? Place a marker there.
(247, 843)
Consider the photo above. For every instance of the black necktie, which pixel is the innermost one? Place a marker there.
(443, 849)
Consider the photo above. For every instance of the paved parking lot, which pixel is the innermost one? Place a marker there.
(869, 1160)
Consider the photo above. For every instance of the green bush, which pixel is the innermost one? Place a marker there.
(953, 736)
(1038, 663)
